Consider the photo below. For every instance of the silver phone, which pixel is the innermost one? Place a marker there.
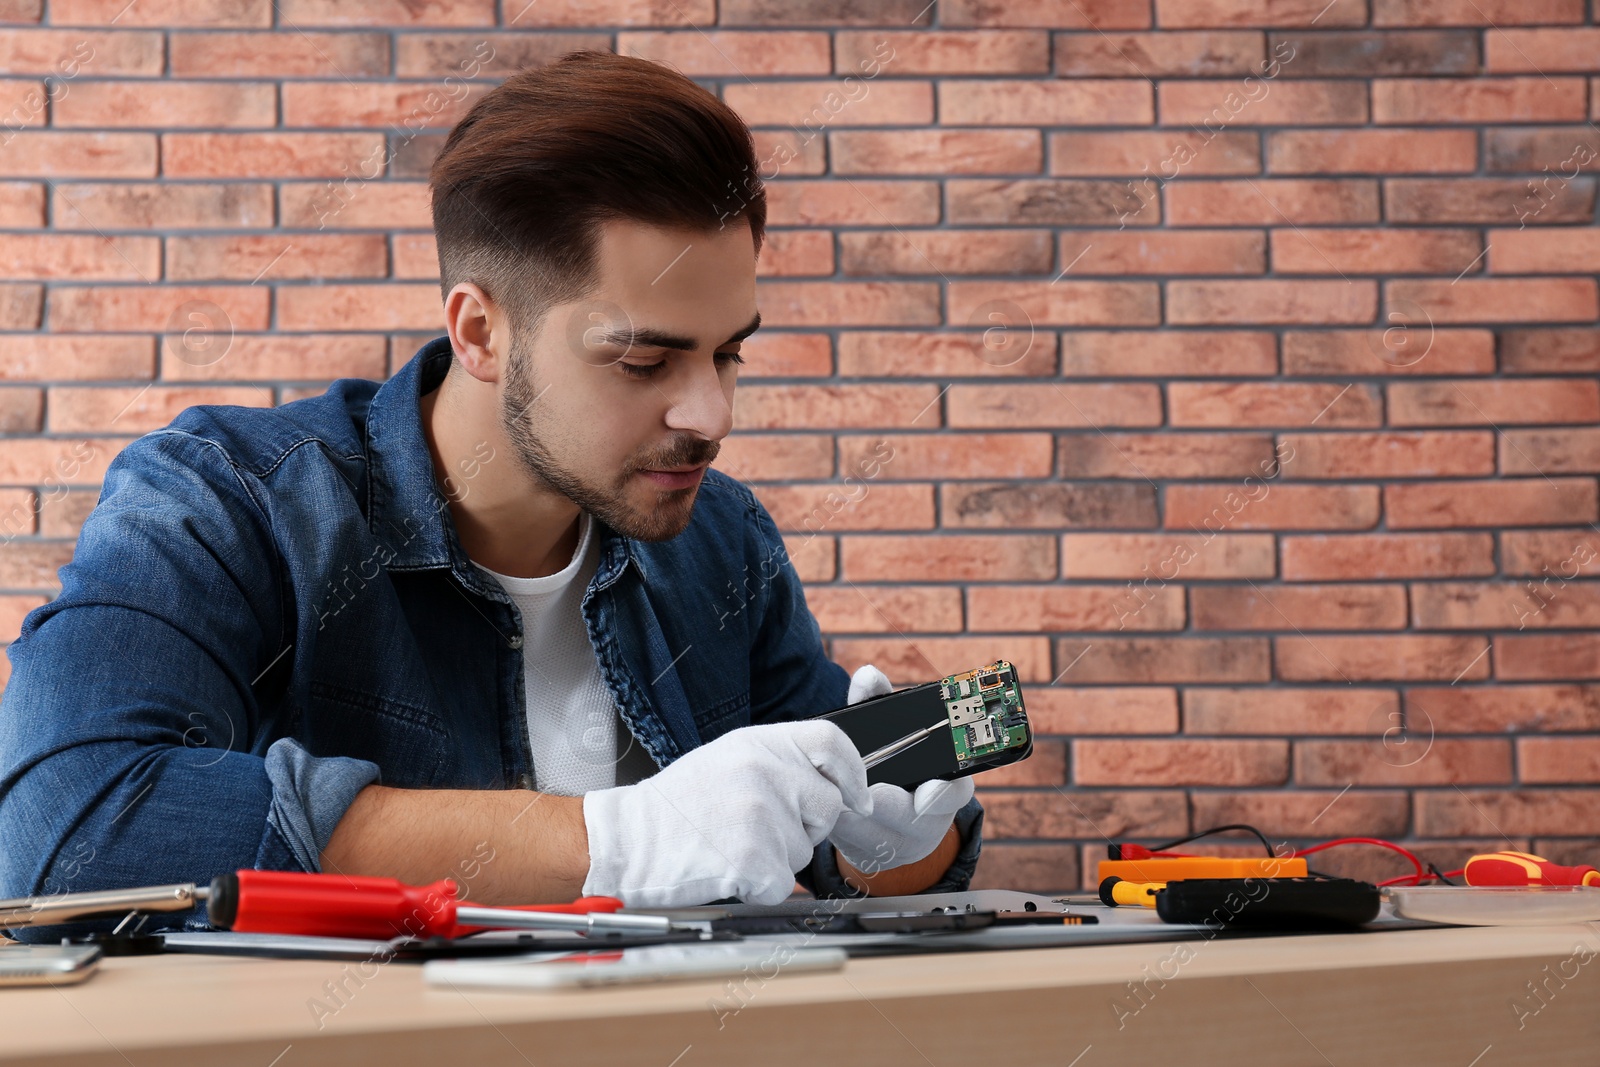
(47, 964)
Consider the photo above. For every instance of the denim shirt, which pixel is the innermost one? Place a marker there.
(270, 609)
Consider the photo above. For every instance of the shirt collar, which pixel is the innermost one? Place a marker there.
(406, 509)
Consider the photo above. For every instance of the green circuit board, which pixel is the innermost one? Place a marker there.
(986, 712)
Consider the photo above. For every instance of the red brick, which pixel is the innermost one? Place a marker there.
(463, 56)
(788, 153)
(1547, 251)
(828, 104)
(1028, 353)
(830, 304)
(1047, 766)
(1117, 710)
(815, 557)
(858, 609)
(255, 257)
(1292, 814)
(151, 307)
(1503, 709)
(80, 257)
(275, 55)
(1474, 12)
(1561, 351)
(21, 205)
(1048, 14)
(1549, 761)
(79, 409)
(1229, 404)
(1504, 502)
(12, 611)
(42, 357)
(1048, 505)
(1052, 406)
(948, 557)
(1407, 345)
(268, 155)
(21, 410)
(416, 256)
(1389, 455)
(910, 661)
(403, 105)
(1086, 814)
(21, 307)
(1159, 155)
(1372, 152)
(781, 407)
(156, 205)
(1272, 202)
(1364, 52)
(1028, 609)
(169, 104)
(1156, 55)
(1162, 558)
(1412, 760)
(1051, 201)
(1556, 657)
(1493, 403)
(430, 13)
(1504, 605)
(1214, 508)
(944, 252)
(1169, 354)
(1562, 149)
(1543, 553)
(731, 53)
(1026, 868)
(1443, 555)
(944, 52)
(1385, 657)
(372, 205)
(1142, 660)
(1566, 49)
(1301, 607)
(19, 509)
(1149, 762)
(33, 564)
(1214, 105)
(1478, 100)
(163, 13)
(1079, 102)
(1164, 252)
(1501, 201)
(268, 358)
(1177, 14)
(1493, 812)
(810, 12)
(47, 51)
(1063, 303)
(1300, 710)
(855, 504)
(1386, 251)
(1271, 301)
(786, 253)
(759, 457)
(860, 203)
(962, 455)
(787, 355)
(383, 306)
(1165, 455)
(93, 154)
(935, 151)
(1500, 299)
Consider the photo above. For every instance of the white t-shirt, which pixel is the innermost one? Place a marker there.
(578, 739)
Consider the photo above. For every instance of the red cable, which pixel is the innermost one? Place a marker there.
(1415, 862)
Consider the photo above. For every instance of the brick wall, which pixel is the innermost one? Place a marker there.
(1229, 365)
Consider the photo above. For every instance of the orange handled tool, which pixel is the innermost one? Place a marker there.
(1519, 868)
(329, 905)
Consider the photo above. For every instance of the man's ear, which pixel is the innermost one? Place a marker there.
(480, 333)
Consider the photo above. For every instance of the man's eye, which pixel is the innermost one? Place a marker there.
(640, 370)
(730, 357)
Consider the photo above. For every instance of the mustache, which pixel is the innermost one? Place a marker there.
(682, 452)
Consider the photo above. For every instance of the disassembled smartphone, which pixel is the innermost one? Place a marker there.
(61, 964)
(966, 723)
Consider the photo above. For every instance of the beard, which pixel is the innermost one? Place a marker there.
(662, 519)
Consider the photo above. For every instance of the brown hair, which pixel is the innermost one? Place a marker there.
(523, 181)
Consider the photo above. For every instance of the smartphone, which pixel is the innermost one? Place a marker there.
(47, 964)
(963, 724)
(656, 963)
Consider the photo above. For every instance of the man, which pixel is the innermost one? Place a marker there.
(475, 621)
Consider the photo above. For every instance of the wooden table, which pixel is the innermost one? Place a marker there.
(1404, 998)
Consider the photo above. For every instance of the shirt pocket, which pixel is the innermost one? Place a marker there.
(409, 743)
(718, 718)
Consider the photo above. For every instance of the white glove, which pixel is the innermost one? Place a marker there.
(736, 817)
(902, 826)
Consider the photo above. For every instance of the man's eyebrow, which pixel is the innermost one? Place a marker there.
(648, 338)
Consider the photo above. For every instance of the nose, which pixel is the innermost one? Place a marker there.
(700, 403)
